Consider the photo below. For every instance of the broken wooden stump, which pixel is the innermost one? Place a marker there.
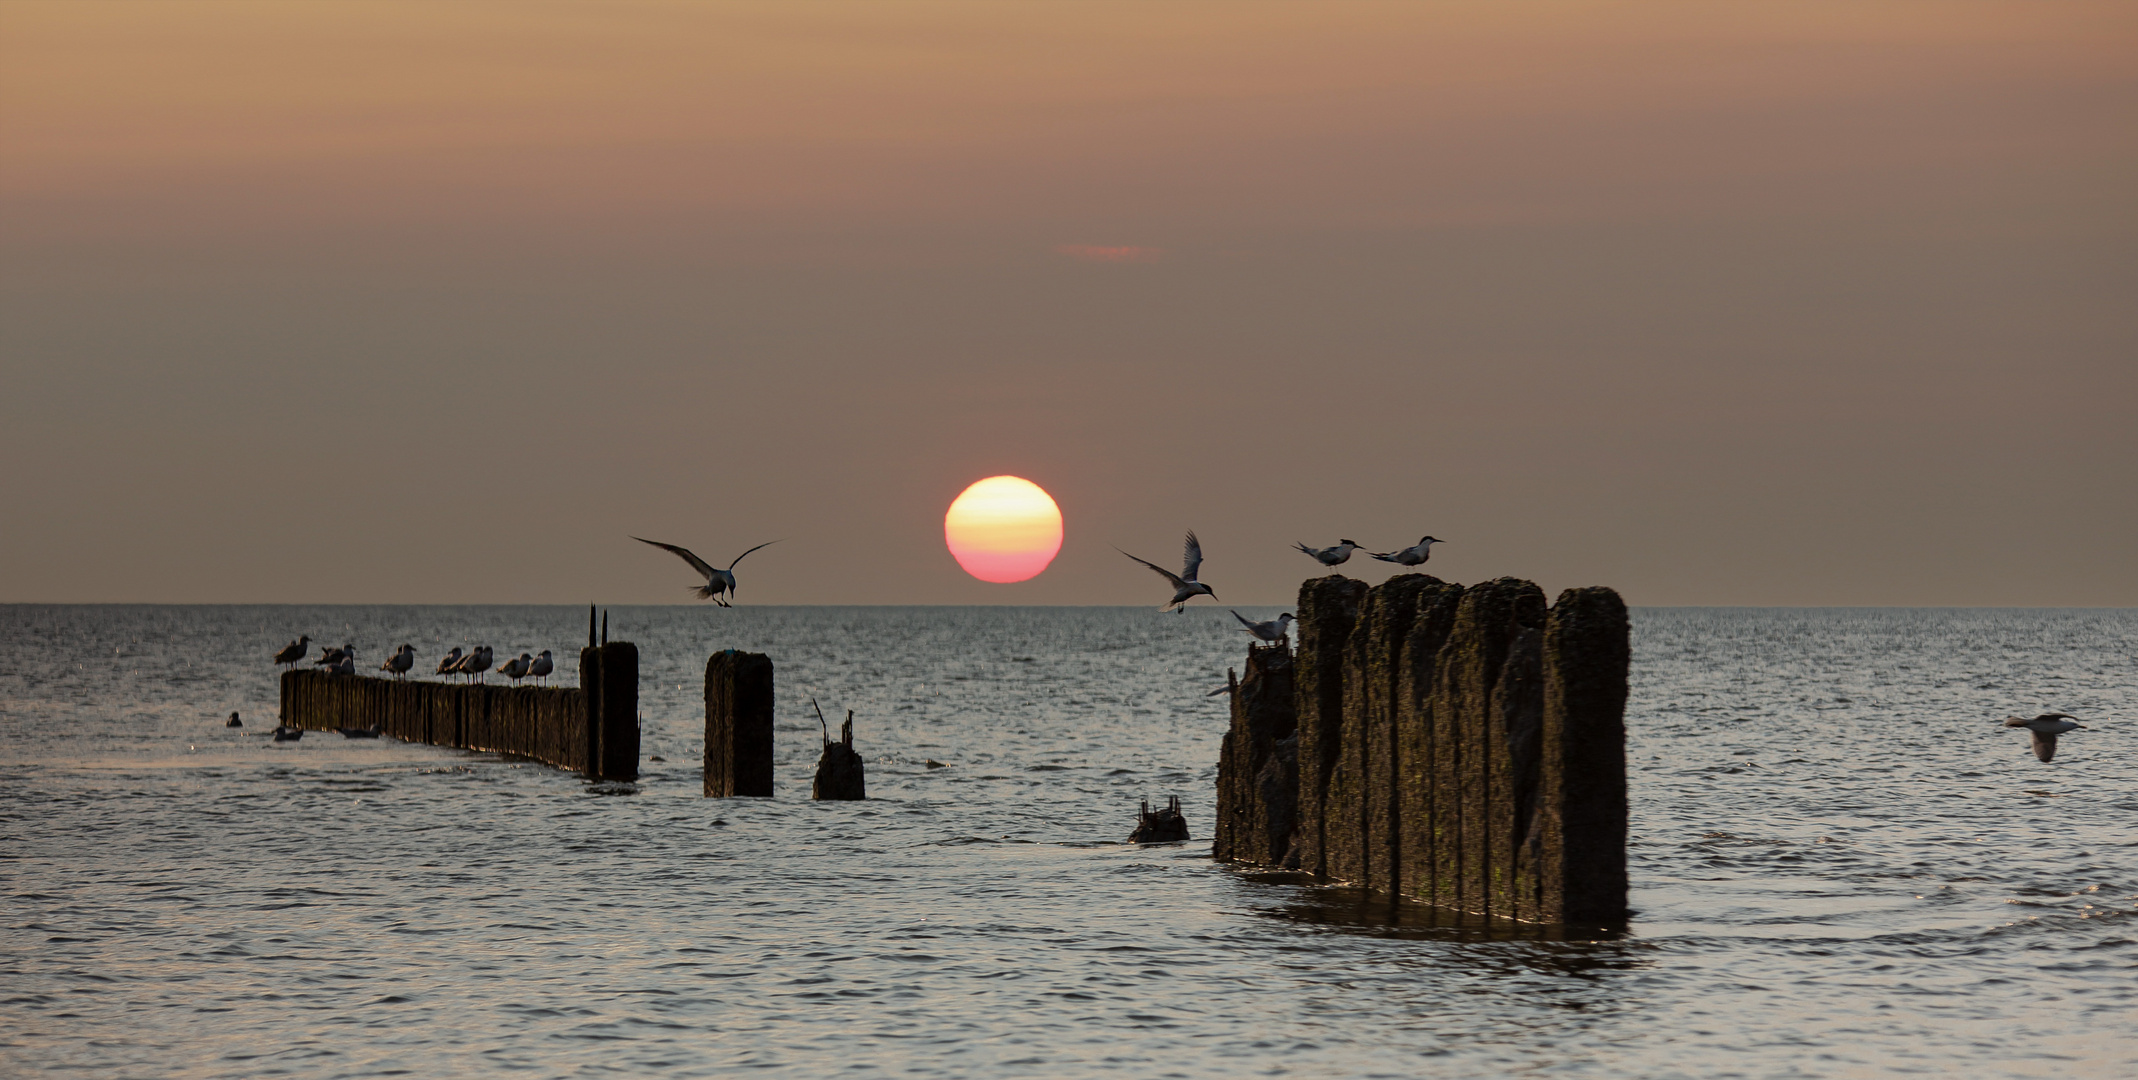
(1160, 826)
(840, 775)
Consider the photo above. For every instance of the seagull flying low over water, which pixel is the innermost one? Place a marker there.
(450, 663)
(717, 581)
(1185, 587)
(2046, 728)
(295, 650)
(541, 666)
(1330, 556)
(400, 662)
(1411, 556)
(1272, 631)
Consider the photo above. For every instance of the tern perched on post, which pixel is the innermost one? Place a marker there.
(541, 666)
(1185, 587)
(717, 581)
(2046, 728)
(400, 662)
(295, 650)
(451, 663)
(1411, 556)
(1330, 556)
(1272, 631)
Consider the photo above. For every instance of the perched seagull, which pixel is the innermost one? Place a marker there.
(541, 666)
(1330, 556)
(344, 666)
(451, 663)
(475, 663)
(2046, 728)
(400, 662)
(285, 733)
(233, 721)
(1411, 556)
(515, 669)
(717, 581)
(295, 650)
(1272, 631)
(331, 657)
(1185, 587)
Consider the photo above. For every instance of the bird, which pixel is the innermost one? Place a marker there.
(1272, 631)
(717, 581)
(1330, 556)
(1185, 587)
(295, 650)
(1411, 556)
(285, 733)
(541, 666)
(2046, 728)
(328, 657)
(361, 732)
(344, 666)
(475, 663)
(515, 669)
(233, 721)
(451, 662)
(400, 662)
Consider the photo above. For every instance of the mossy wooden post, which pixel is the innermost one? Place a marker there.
(1258, 764)
(738, 724)
(1417, 793)
(619, 710)
(1582, 779)
(1327, 608)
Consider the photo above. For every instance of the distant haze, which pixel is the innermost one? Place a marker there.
(1808, 303)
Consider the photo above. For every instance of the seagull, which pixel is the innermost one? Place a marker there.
(451, 662)
(233, 721)
(285, 733)
(1272, 631)
(295, 650)
(515, 669)
(2046, 728)
(1411, 556)
(541, 666)
(1330, 556)
(331, 657)
(400, 662)
(475, 663)
(344, 666)
(1185, 587)
(717, 581)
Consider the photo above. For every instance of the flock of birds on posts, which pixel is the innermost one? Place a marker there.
(719, 587)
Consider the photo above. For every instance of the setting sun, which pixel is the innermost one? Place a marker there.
(1003, 529)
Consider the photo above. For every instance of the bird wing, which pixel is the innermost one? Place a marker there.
(738, 558)
(1191, 557)
(696, 563)
(1162, 571)
(2016, 721)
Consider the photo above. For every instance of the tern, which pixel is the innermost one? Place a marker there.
(475, 663)
(1330, 556)
(541, 666)
(1185, 587)
(717, 581)
(1411, 556)
(1272, 631)
(451, 662)
(400, 662)
(515, 669)
(295, 650)
(2046, 728)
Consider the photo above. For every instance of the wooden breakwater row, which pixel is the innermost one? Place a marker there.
(591, 728)
(1464, 747)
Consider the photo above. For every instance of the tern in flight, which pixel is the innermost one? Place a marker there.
(1185, 587)
(717, 581)
(295, 650)
(1272, 631)
(2046, 728)
(1411, 556)
(451, 662)
(400, 662)
(1330, 556)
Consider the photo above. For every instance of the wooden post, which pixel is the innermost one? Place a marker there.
(840, 773)
(1258, 765)
(1582, 782)
(1327, 608)
(619, 709)
(738, 724)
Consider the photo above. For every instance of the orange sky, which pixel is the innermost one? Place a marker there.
(1804, 303)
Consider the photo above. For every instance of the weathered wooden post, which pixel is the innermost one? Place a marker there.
(839, 769)
(1258, 766)
(1327, 608)
(1582, 781)
(619, 709)
(738, 724)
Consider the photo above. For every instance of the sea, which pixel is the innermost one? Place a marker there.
(1842, 866)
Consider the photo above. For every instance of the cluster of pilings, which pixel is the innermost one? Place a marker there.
(591, 728)
(1460, 746)
(738, 735)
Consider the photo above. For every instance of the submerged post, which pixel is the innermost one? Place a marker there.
(738, 724)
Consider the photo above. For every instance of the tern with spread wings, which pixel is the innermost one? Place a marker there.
(1185, 587)
(717, 581)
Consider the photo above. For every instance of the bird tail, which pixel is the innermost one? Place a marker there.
(1302, 547)
(1383, 556)
(703, 592)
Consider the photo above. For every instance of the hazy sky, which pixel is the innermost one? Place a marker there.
(1715, 303)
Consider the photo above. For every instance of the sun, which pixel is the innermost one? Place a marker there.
(1003, 529)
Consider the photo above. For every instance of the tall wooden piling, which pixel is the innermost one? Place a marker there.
(1327, 608)
(1258, 765)
(738, 724)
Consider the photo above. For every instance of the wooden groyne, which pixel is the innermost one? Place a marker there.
(1461, 746)
(591, 728)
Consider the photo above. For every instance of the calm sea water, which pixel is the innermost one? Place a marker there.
(1841, 866)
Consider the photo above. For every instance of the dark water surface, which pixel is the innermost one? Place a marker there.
(1842, 867)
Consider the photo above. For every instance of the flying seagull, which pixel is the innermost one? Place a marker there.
(2046, 728)
(1330, 556)
(717, 581)
(400, 662)
(451, 663)
(1272, 631)
(295, 650)
(1411, 556)
(1185, 587)
(541, 666)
